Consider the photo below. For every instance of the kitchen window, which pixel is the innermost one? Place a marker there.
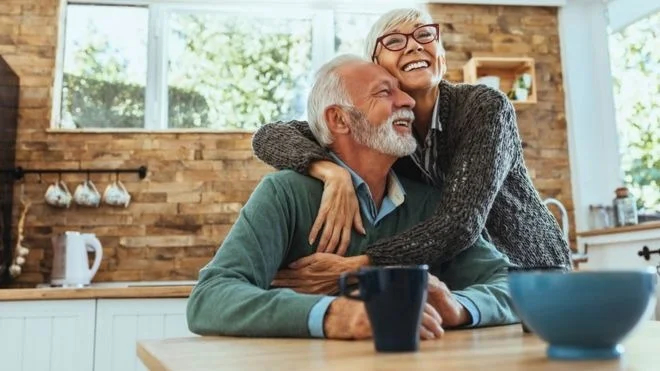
(635, 59)
(158, 65)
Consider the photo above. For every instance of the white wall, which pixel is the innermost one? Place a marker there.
(590, 115)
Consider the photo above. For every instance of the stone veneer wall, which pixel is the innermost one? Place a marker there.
(197, 182)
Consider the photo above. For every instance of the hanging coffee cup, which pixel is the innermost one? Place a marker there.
(58, 195)
(86, 194)
(116, 194)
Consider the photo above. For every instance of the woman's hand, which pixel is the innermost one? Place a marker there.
(339, 210)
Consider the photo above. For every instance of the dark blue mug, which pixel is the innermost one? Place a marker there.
(394, 297)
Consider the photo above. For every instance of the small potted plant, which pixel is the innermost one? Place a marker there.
(521, 86)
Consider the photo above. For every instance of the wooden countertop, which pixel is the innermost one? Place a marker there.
(632, 228)
(494, 348)
(57, 293)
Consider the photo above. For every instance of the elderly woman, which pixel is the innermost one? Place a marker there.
(468, 145)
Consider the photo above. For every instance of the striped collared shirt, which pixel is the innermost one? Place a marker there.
(426, 154)
(394, 196)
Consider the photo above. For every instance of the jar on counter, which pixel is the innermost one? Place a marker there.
(625, 208)
(610, 215)
(599, 218)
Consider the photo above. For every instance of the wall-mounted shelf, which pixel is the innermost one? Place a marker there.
(507, 69)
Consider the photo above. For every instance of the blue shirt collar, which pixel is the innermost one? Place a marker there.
(394, 197)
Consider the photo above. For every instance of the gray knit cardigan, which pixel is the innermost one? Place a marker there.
(487, 189)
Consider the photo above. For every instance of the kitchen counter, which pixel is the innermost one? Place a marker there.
(614, 230)
(115, 290)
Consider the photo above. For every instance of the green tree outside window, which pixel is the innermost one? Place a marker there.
(635, 56)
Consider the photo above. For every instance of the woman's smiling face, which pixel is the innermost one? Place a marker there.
(420, 64)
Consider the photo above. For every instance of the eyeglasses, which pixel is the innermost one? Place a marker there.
(396, 41)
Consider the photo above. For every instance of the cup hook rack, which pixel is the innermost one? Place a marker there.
(19, 172)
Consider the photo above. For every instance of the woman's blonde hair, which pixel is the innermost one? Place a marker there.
(390, 20)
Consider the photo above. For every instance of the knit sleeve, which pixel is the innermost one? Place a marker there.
(288, 145)
(489, 145)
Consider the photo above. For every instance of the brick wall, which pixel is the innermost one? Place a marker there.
(471, 30)
(197, 182)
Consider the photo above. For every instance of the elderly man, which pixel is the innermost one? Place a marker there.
(357, 110)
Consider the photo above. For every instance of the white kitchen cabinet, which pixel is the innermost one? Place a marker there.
(48, 335)
(617, 251)
(120, 323)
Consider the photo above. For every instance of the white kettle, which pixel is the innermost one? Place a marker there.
(70, 262)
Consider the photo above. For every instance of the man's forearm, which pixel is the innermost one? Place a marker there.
(225, 305)
(317, 317)
(469, 315)
(493, 302)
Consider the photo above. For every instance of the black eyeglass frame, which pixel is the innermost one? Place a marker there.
(379, 40)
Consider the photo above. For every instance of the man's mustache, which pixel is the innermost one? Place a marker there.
(401, 114)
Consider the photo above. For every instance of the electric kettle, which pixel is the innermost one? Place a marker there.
(70, 261)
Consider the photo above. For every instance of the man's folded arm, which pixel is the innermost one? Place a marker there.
(478, 276)
(232, 295)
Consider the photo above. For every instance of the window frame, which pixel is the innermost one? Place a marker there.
(321, 14)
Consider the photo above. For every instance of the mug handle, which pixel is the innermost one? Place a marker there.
(62, 186)
(343, 285)
(90, 185)
(121, 186)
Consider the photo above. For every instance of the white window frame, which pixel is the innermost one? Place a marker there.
(588, 87)
(322, 14)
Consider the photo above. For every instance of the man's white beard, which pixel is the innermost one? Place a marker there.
(383, 138)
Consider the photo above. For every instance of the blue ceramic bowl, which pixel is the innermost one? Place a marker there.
(583, 315)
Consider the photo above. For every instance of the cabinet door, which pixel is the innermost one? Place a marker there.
(624, 255)
(49, 335)
(120, 323)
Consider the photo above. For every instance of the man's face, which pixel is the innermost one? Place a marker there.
(383, 117)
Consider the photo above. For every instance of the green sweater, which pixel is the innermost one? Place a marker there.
(233, 295)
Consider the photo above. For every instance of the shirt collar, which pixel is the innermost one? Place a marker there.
(395, 191)
(435, 119)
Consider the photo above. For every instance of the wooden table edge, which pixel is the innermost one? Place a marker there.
(150, 362)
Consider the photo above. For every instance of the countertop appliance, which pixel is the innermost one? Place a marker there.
(70, 261)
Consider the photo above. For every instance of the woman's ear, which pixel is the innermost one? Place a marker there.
(337, 120)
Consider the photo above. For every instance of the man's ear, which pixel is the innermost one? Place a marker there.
(337, 120)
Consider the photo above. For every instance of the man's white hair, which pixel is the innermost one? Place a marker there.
(392, 19)
(328, 90)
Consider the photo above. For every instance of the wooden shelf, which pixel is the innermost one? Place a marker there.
(613, 230)
(506, 68)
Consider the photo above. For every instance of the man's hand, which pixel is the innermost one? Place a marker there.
(318, 273)
(452, 312)
(347, 319)
(431, 324)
